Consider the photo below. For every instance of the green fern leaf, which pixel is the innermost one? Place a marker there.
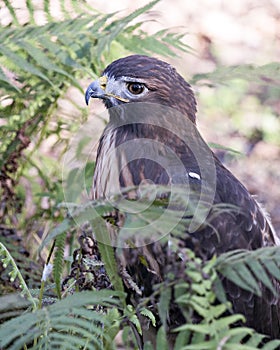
(173, 40)
(147, 313)
(164, 302)
(58, 261)
(68, 321)
(43, 60)
(115, 28)
(162, 343)
(12, 11)
(47, 11)
(246, 275)
(228, 149)
(253, 341)
(148, 346)
(107, 252)
(23, 64)
(31, 11)
(273, 268)
(260, 274)
(267, 74)
(272, 345)
(5, 79)
(182, 339)
(250, 269)
(7, 259)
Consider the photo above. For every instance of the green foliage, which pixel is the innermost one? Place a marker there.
(266, 74)
(147, 313)
(92, 319)
(164, 302)
(107, 252)
(7, 260)
(197, 295)
(60, 242)
(71, 323)
(249, 269)
(215, 330)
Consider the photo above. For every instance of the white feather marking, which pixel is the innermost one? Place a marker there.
(194, 175)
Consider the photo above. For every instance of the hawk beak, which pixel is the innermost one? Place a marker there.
(96, 89)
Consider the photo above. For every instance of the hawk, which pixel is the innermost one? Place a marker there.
(152, 137)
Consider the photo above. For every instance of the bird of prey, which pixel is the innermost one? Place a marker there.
(152, 137)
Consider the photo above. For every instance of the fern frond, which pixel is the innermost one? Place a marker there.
(147, 313)
(69, 321)
(22, 63)
(173, 40)
(58, 261)
(266, 74)
(7, 260)
(107, 252)
(115, 28)
(250, 269)
(114, 318)
(214, 330)
(31, 47)
(164, 303)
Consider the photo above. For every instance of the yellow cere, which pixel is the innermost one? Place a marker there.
(103, 82)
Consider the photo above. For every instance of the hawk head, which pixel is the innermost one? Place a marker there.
(140, 78)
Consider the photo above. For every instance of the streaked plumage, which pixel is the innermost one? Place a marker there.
(136, 79)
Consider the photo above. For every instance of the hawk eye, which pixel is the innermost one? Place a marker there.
(136, 88)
